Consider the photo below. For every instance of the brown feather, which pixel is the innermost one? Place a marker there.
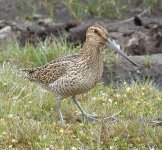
(75, 73)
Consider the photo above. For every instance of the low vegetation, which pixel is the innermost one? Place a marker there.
(28, 117)
(108, 8)
(34, 55)
(87, 8)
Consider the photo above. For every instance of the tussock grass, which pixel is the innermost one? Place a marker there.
(30, 55)
(98, 9)
(108, 8)
(86, 8)
(28, 117)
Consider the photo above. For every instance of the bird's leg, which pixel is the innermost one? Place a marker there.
(85, 115)
(58, 105)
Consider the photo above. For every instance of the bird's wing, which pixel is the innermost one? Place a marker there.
(52, 71)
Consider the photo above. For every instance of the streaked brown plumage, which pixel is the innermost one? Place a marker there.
(74, 74)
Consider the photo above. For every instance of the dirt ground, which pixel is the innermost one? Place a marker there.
(22, 9)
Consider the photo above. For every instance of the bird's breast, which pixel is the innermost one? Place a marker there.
(91, 75)
(78, 79)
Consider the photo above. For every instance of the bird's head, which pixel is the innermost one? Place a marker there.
(97, 34)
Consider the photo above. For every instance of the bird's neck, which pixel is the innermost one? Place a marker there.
(91, 52)
(90, 49)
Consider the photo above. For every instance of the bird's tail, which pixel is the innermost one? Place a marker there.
(28, 70)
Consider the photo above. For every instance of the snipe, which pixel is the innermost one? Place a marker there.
(77, 73)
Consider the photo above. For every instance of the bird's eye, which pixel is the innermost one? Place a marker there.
(95, 31)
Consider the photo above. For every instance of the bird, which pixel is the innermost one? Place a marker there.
(76, 73)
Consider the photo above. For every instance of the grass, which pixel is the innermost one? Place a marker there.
(98, 9)
(85, 9)
(28, 117)
(108, 8)
(31, 56)
(147, 61)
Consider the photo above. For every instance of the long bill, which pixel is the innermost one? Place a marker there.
(116, 48)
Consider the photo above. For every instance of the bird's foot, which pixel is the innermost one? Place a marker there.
(89, 117)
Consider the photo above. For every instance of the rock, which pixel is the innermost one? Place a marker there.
(6, 34)
(34, 32)
(141, 40)
(43, 21)
(136, 40)
(37, 16)
(147, 40)
(149, 68)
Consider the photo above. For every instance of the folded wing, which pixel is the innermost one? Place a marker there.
(51, 71)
